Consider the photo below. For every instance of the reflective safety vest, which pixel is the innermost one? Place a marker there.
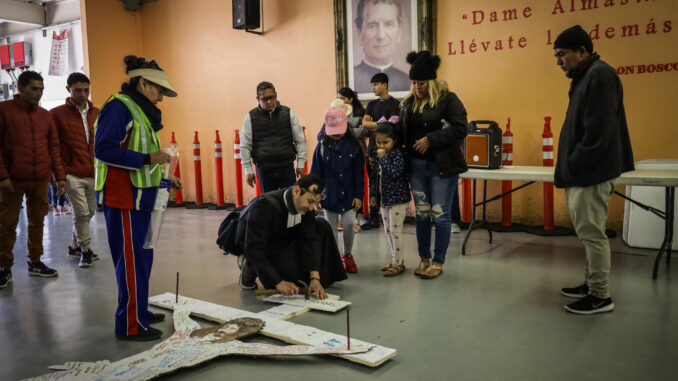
(143, 139)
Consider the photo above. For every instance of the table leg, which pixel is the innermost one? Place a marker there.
(473, 218)
(668, 231)
(485, 224)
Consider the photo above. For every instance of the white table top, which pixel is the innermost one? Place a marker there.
(648, 177)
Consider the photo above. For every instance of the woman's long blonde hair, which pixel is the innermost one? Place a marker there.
(434, 94)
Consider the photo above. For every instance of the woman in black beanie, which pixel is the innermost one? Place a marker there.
(434, 155)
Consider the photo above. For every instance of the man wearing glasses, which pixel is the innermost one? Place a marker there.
(272, 138)
(284, 244)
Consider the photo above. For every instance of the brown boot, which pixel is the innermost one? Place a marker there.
(433, 271)
(423, 266)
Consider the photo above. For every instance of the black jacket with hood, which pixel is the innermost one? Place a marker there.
(594, 144)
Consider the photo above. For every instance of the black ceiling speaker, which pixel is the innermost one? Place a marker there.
(246, 14)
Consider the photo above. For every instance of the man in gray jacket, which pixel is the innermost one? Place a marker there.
(594, 149)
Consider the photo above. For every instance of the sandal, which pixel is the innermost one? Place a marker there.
(386, 266)
(394, 269)
(423, 266)
(433, 271)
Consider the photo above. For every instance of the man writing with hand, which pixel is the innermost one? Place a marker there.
(283, 242)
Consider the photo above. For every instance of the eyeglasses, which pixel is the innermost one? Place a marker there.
(268, 98)
(320, 196)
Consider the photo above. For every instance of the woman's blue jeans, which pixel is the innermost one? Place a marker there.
(433, 201)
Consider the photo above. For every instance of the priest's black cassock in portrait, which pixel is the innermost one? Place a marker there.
(283, 241)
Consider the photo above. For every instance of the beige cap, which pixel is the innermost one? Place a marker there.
(338, 102)
(156, 76)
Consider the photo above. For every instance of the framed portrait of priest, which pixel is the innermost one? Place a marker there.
(378, 35)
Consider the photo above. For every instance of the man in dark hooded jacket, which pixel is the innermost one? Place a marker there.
(594, 149)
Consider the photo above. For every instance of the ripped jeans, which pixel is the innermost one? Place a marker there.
(433, 201)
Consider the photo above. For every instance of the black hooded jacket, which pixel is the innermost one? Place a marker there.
(594, 143)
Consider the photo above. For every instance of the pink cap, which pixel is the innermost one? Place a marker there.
(335, 121)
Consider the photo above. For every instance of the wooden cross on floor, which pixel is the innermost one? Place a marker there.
(190, 345)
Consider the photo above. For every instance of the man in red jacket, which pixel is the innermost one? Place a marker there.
(74, 121)
(29, 154)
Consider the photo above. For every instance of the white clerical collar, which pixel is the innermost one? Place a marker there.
(292, 219)
(382, 68)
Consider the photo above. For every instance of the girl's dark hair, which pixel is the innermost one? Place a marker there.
(133, 62)
(358, 109)
(388, 129)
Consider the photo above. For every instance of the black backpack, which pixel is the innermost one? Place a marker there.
(228, 229)
(226, 234)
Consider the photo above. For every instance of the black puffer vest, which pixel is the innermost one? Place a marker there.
(272, 138)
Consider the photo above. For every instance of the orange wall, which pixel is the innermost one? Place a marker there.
(216, 68)
(111, 33)
(525, 84)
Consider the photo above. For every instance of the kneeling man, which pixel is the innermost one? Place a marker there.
(284, 243)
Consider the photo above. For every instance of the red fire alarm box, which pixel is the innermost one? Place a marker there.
(23, 55)
(5, 57)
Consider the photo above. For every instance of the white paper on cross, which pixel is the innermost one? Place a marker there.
(331, 304)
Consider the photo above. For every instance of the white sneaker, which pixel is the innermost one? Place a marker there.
(455, 228)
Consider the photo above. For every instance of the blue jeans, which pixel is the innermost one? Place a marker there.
(430, 189)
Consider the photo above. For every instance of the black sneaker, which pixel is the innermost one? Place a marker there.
(143, 335)
(86, 259)
(5, 277)
(155, 318)
(576, 292)
(74, 253)
(77, 252)
(589, 305)
(248, 278)
(39, 269)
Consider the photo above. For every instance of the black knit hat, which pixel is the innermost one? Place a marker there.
(424, 65)
(572, 38)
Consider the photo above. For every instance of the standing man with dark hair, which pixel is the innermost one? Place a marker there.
(272, 138)
(29, 155)
(74, 121)
(594, 149)
(384, 106)
(379, 24)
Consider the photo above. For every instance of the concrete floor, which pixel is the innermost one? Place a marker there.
(495, 314)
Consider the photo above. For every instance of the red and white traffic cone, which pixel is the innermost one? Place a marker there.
(238, 170)
(198, 175)
(306, 162)
(547, 161)
(178, 196)
(549, 228)
(506, 185)
(219, 168)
